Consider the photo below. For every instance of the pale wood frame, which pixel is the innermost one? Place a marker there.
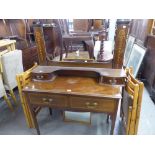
(135, 90)
(22, 80)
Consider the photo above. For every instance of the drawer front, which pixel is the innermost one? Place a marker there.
(93, 104)
(113, 81)
(48, 100)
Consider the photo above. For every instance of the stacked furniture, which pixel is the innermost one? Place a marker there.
(140, 28)
(19, 30)
(148, 72)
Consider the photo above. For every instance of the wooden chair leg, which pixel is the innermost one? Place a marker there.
(13, 96)
(108, 118)
(62, 113)
(50, 110)
(8, 103)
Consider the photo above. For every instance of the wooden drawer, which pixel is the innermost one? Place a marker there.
(48, 100)
(93, 104)
(115, 81)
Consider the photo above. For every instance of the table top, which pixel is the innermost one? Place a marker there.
(83, 86)
(6, 42)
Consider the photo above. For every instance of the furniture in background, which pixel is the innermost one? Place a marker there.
(3, 94)
(153, 27)
(140, 28)
(120, 42)
(103, 55)
(128, 49)
(8, 44)
(49, 40)
(79, 43)
(98, 24)
(78, 56)
(131, 103)
(148, 71)
(77, 39)
(49, 43)
(74, 90)
(3, 29)
(19, 30)
(82, 25)
(136, 58)
(11, 65)
(88, 40)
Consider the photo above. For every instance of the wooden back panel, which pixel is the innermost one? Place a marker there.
(3, 29)
(81, 25)
(64, 26)
(49, 41)
(18, 27)
(98, 24)
(140, 28)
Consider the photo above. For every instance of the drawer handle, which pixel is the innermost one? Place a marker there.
(93, 105)
(40, 77)
(113, 81)
(87, 103)
(46, 100)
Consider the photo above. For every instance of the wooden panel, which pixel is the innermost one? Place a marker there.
(140, 28)
(3, 29)
(30, 56)
(39, 38)
(94, 104)
(49, 41)
(120, 43)
(98, 24)
(17, 27)
(81, 24)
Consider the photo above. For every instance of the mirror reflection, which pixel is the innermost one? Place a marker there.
(76, 40)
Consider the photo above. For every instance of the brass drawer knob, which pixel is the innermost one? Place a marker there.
(95, 103)
(50, 100)
(46, 100)
(40, 77)
(112, 81)
(87, 103)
